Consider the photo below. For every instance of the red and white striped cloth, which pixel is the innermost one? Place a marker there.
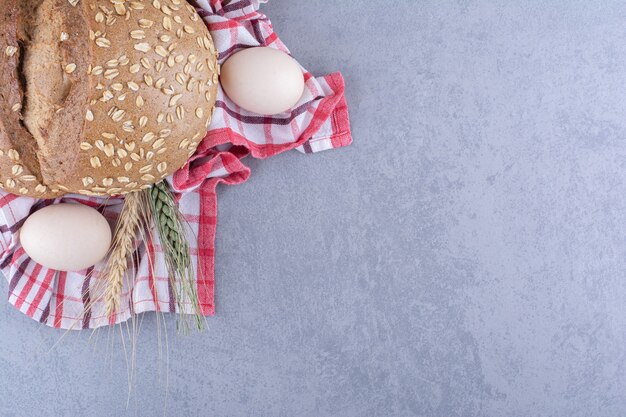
(319, 122)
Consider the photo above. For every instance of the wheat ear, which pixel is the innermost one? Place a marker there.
(170, 225)
(125, 233)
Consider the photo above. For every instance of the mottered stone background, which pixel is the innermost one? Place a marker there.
(465, 257)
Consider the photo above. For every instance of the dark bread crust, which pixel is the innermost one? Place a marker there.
(56, 97)
(100, 97)
(13, 134)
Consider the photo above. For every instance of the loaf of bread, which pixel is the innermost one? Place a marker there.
(101, 97)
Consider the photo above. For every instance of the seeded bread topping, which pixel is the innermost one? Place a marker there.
(101, 97)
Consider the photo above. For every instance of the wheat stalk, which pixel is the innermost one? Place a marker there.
(171, 228)
(122, 248)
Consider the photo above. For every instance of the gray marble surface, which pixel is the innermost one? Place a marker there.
(465, 257)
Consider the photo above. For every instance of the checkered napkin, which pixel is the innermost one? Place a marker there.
(319, 122)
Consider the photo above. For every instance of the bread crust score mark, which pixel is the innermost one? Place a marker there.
(101, 97)
(55, 95)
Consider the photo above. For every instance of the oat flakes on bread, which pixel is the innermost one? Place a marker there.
(101, 97)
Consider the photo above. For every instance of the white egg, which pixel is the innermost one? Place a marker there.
(262, 80)
(66, 237)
